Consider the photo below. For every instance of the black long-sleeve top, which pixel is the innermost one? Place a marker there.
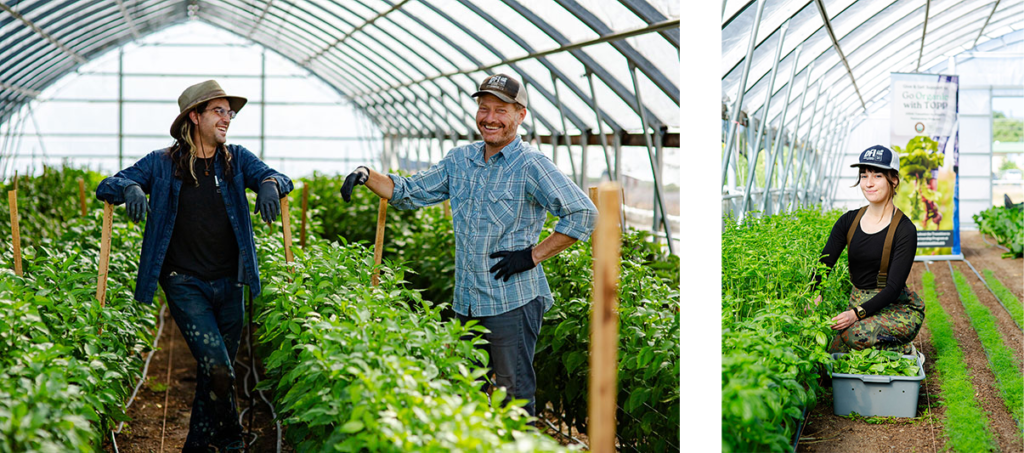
(865, 257)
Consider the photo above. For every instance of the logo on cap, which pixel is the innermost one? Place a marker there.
(497, 82)
(874, 154)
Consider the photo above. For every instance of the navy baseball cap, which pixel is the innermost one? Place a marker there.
(880, 157)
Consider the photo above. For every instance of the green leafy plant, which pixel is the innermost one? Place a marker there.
(1002, 361)
(965, 424)
(1006, 225)
(875, 362)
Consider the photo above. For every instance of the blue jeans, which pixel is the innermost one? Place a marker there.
(511, 343)
(209, 315)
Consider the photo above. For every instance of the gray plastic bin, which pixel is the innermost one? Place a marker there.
(868, 395)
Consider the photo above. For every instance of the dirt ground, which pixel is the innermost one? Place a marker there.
(146, 432)
(826, 432)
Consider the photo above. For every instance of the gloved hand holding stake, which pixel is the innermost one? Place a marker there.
(512, 262)
(268, 201)
(357, 177)
(135, 202)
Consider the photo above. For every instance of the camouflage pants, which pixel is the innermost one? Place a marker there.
(891, 328)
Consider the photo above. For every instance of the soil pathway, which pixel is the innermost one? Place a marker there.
(143, 433)
(826, 432)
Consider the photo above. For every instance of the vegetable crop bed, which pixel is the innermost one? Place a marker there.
(930, 431)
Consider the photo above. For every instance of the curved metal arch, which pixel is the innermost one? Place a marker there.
(649, 14)
(642, 63)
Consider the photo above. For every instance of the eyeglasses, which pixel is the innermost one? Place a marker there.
(229, 114)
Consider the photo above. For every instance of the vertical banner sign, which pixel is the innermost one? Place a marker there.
(924, 130)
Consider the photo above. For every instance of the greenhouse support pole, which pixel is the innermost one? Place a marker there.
(734, 116)
(794, 144)
(818, 147)
(120, 107)
(843, 142)
(568, 140)
(659, 161)
(779, 136)
(604, 324)
(263, 104)
(813, 151)
(650, 155)
(612, 174)
(762, 128)
(827, 157)
(617, 147)
(826, 171)
(805, 149)
(584, 138)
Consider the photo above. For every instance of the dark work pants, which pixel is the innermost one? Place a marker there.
(209, 315)
(511, 343)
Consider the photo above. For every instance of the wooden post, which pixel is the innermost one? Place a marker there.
(593, 195)
(12, 197)
(101, 285)
(448, 208)
(286, 226)
(604, 322)
(81, 195)
(378, 247)
(305, 207)
(15, 180)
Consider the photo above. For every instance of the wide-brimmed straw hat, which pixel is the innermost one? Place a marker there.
(198, 94)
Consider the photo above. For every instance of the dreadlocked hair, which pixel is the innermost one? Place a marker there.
(183, 153)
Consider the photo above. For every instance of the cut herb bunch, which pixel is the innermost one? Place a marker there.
(773, 335)
(875, 362)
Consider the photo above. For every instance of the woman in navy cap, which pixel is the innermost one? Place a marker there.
(883, 312)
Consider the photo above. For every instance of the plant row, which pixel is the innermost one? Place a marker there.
(965, 423)
(362, 368)
(67, 366)
(423, 241)
(1002, 361)
(774, 336)
(1006, 225)
(1011, 302)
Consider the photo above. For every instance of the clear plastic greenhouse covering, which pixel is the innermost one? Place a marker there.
(411, 65)
(826, 66)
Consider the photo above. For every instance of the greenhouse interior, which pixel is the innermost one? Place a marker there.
(339, 332)
(926, 100)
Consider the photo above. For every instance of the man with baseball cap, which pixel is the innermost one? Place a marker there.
(198, 244)
(501, 190)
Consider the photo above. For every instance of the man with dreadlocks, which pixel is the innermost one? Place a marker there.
(198, 244)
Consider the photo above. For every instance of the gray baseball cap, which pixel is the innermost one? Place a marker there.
(505, 87)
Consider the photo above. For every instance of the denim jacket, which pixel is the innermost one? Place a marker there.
(155, 175)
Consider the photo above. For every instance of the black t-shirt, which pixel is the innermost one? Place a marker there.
(865, 257)
(203, 244)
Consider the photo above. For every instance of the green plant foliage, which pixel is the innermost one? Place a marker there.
(648, 397)
(358, 368)
(1005, 366)
(66, 365)
(773, 335)
(1006, 225)
(1011, 302)
(875, 362)
(965, 424)
(422, 240)
(46, 202)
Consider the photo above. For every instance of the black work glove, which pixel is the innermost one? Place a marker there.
(512, 262)
(268, 201)
(135, 202)
(355, 178)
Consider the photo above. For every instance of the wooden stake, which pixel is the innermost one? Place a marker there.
(448, 208)
(15, 179)
(593, 195)
(604, 322)
(101, 285)
(12, 197)
(378, 247)
(81, 195)
(305, 206)
(288, 258)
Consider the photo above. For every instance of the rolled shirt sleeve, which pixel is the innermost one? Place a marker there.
(552, 189)
(422, 189)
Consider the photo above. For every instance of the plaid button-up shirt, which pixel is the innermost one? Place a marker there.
(498, 205)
